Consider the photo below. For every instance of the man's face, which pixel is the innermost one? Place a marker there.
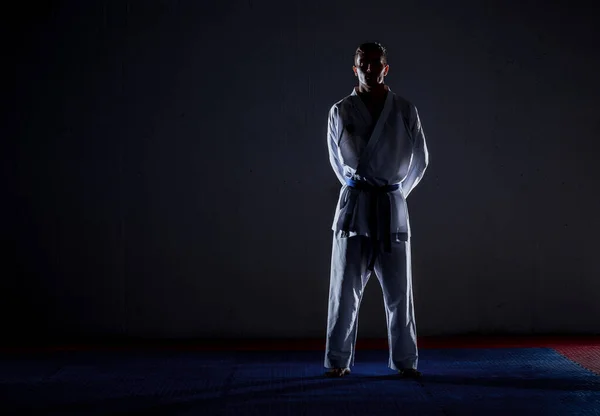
(370, 68)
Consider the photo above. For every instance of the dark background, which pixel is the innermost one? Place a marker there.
(168, 172)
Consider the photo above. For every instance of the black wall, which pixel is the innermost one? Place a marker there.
(168, 172)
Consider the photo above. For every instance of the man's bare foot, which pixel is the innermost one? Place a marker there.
(410, 373)
(337, 372)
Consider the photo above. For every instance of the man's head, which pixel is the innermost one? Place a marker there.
(370, 64)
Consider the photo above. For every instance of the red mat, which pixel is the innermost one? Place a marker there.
(587, 356)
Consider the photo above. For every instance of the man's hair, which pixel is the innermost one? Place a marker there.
(370, 47)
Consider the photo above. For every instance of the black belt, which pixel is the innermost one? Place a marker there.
(380, 212)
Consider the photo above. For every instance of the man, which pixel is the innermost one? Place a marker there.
(377, 150)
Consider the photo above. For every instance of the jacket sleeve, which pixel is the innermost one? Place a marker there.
(332, 143)
(420, 157)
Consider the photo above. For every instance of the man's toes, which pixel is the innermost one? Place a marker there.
(337, 372)
(410, 373)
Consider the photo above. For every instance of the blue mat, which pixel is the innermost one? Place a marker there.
(500, 381)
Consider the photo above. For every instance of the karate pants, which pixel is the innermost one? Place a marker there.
(349, 276)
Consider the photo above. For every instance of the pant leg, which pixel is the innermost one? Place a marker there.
(394, 272)
(348, 278)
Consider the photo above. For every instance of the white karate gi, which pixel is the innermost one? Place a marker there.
(391, 151)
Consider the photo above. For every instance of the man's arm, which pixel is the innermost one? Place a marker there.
(332, 144)
(420, 158)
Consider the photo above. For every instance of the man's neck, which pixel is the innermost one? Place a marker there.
(375, 92)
